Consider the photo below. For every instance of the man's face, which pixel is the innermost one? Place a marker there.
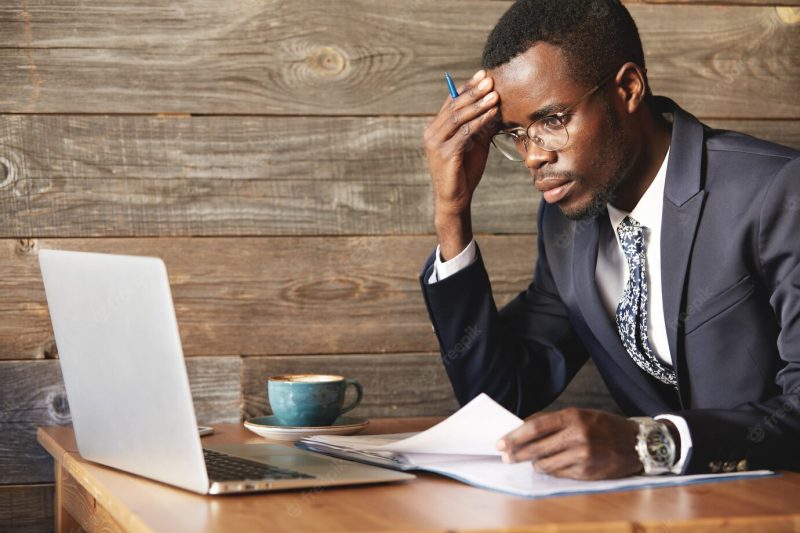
(585, 174)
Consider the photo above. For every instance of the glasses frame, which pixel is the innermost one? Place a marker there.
(557, 116)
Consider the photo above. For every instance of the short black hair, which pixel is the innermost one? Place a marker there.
(596, 36)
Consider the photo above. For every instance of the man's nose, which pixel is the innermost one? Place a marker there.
(536, 157)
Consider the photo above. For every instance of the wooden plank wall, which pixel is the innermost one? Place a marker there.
(270, 152)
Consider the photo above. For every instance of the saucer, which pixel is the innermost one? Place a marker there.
(269, 428)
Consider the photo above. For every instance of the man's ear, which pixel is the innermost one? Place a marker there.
(631, 86)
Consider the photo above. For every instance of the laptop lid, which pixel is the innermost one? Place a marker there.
(123, 366)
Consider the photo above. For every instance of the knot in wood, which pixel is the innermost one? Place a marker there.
(26, 246)
(327, 290)
(7, 173)
(326, 61)
(50, 350)
(58, 407)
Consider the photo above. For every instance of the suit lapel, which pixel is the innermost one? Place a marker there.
(586, 243)
(683, 202)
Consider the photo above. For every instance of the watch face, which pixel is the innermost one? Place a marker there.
(658, 448)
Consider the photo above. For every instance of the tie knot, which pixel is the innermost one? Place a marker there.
(631, 236)
(629, 222)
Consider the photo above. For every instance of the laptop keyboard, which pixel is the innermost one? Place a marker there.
(224, 467)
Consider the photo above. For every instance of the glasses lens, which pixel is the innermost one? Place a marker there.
(549, 133)
(510, 146)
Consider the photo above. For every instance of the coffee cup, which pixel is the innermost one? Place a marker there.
(305, 400)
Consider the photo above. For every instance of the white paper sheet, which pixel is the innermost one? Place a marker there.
(522, 480)
(463, 447)
(472, 430)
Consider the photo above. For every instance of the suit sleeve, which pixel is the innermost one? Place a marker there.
(523, 356)
(766, 433)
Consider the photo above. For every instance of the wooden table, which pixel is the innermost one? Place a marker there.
(95, 497)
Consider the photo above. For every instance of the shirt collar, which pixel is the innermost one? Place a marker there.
(648, 211)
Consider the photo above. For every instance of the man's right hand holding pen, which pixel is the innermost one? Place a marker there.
(457, 144)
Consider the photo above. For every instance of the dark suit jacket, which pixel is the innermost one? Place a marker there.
(730, 247)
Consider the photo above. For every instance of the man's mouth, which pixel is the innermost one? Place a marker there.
(554, 189)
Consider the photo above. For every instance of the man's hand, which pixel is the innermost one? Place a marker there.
(457, 146)
(575, 443)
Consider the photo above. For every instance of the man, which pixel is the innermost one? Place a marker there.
(667, 252)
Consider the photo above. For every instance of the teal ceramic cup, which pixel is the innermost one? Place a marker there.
(310, 399)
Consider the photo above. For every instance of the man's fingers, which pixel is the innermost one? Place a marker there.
(574, 471)
(474, 127)
(534, 428)
(462, 110)
(454, 119)
(472, 94)
(480, 129)
(559, 463)
(489, 123)
(575, 443)
(472, 82)
(565, 437)
(549, 445)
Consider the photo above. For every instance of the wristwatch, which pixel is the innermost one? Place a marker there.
(655, 446)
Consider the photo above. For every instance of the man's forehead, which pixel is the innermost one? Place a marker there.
(530, 81)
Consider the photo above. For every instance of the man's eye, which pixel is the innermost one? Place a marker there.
(552, 122)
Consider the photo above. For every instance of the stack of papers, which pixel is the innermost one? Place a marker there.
(463, 447)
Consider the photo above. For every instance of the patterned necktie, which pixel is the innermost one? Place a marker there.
(632, 309)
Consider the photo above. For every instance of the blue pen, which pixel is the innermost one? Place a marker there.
(451, 85)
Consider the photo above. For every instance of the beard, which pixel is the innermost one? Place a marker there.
(601, 197)
(619, 158)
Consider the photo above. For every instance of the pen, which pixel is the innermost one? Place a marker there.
(450, 85)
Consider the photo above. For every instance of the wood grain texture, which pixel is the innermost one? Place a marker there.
(88, 176)
(368, 57)
(32, 394)
(26, 508)
(81, 506)
(216, 388)
(433, 503)
(64, 520)
(271, 295)
(724, 44)
(785, 132)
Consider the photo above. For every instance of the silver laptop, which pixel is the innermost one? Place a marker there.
(128, 390)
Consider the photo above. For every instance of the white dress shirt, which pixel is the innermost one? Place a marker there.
(611, 275)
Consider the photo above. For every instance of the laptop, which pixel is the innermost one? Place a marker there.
(128, 390)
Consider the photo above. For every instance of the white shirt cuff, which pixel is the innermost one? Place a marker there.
(443, 270)
(686, 441)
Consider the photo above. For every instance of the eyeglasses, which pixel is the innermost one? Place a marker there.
(548, 133)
